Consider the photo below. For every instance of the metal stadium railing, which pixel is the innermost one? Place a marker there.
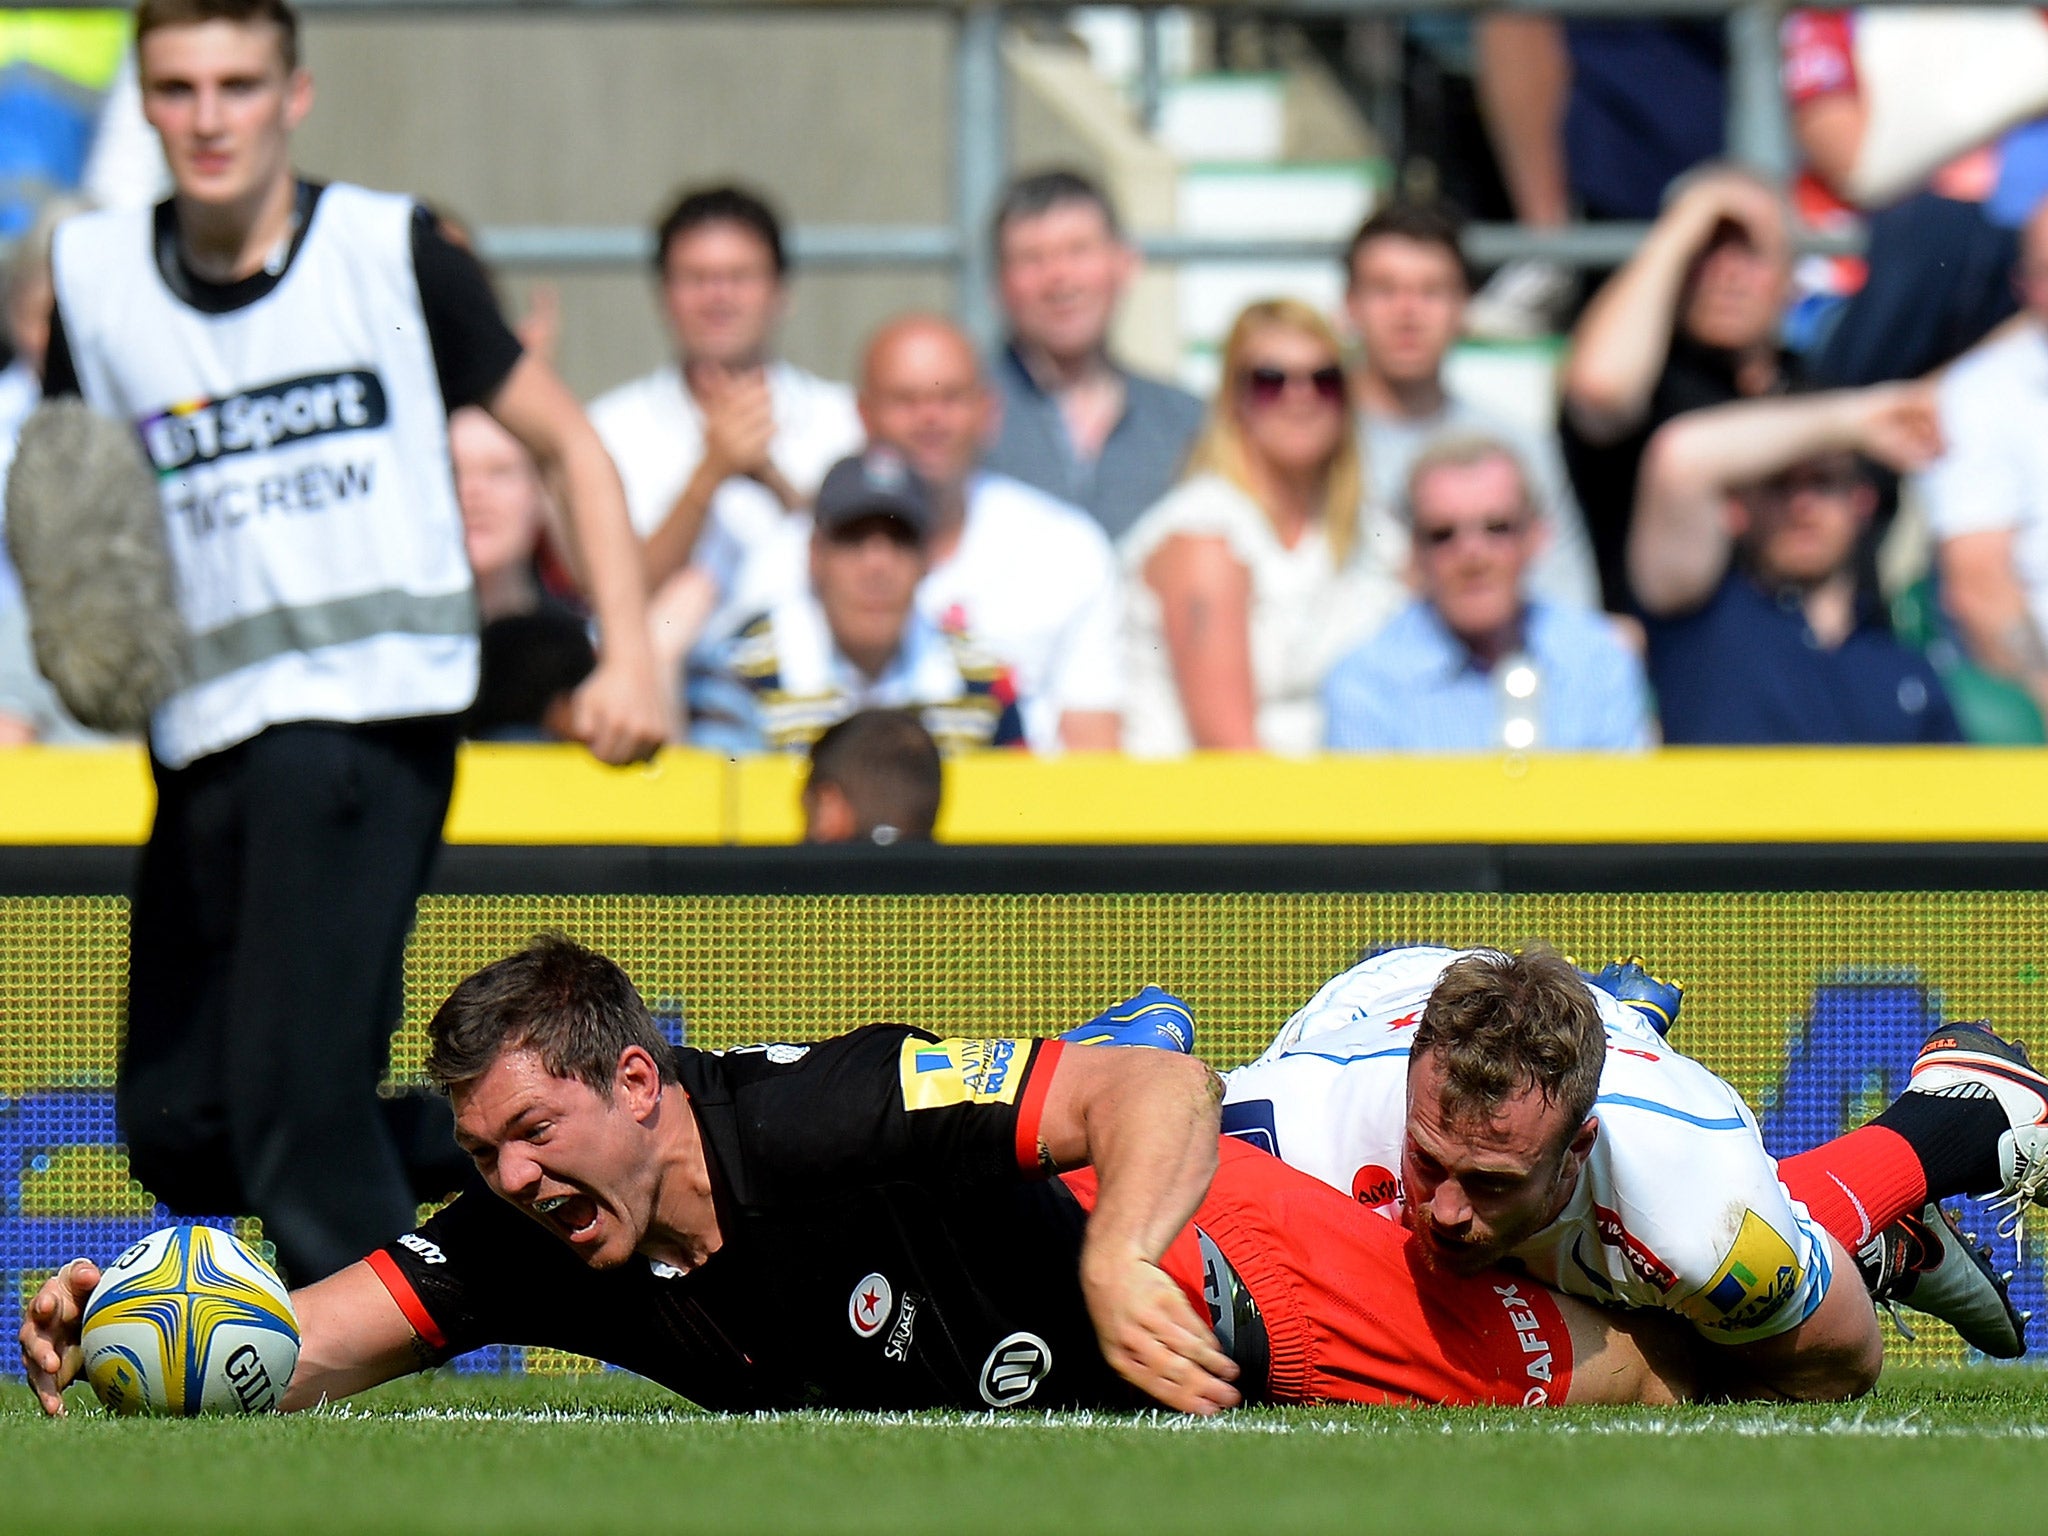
(1758, 135)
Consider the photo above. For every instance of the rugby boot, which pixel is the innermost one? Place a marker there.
(1152, 1016)
(1969, 1061)
(1626, 981)
(1928, 1264)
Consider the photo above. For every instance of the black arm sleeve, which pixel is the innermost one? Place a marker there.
(477, 1272)
(474, 350)
(888, 1103)
(60, 375)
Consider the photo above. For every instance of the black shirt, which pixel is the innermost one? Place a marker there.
(885, 1245)
(474, 350)
(1604, 474)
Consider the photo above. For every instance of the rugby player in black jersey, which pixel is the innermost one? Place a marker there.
(882, 1220)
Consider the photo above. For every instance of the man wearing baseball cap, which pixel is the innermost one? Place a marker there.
(852, 639)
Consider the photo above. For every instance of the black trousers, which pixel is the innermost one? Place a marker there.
(266, 947)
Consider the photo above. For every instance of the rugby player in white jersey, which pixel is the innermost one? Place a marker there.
(1404, 1082)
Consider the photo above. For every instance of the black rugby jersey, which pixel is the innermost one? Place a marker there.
(888, 1243)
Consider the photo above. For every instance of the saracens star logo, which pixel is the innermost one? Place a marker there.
(869, 1306)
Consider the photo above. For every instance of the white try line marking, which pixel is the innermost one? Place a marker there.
(1732, 1423)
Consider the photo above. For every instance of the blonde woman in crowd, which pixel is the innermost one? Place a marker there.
(1242, 584)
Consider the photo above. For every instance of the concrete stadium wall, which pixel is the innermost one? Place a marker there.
(592, 119)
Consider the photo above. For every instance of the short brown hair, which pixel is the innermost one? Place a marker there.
(737, 206)
(885, 763)
(1435, 224)
(1035, 195)
(572, 1006)
(1501, 1024)
(153, 14)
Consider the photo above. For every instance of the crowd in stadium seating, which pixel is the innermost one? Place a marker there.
(1338, 551)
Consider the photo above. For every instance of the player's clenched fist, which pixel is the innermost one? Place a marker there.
(49, 1332)
(1152, 1338)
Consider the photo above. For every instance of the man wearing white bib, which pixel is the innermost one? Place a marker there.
(288, 354)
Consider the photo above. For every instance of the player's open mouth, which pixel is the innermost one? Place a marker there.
(570, 1215)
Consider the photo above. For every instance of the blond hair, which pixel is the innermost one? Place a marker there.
(1220, 450)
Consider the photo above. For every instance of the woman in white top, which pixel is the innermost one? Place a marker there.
(1242, 586)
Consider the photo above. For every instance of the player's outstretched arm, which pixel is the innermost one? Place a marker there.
(352, 1336)
(620, 711)
(1147, 1122)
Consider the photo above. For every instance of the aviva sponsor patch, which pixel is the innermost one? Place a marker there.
(936, 1073)
(1759, 1275)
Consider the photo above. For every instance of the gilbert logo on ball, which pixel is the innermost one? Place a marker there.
(189, 1321)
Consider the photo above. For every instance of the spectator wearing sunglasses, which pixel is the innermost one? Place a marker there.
(1405, 296)
(1243, 583)
(1476, 663)
(1742, 555)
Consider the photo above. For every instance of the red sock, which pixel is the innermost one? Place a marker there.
(1857, 1184)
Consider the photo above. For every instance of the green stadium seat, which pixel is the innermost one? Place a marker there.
(1993, 712)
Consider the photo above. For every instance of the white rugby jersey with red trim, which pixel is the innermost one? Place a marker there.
(1678, 1207)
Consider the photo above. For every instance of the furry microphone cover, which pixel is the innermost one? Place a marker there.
(86, 534)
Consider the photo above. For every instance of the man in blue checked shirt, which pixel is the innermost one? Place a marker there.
(1475, 664)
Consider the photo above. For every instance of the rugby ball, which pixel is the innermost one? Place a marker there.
(189, 1321)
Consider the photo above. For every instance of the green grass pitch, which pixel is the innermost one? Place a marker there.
(1929, 1451)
